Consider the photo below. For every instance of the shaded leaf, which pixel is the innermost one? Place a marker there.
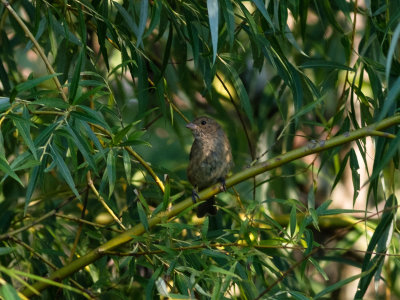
(63, 169)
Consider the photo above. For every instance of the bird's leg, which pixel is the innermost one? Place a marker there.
(223, 185)
(195, 195)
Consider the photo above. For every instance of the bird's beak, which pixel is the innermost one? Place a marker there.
(191, 126)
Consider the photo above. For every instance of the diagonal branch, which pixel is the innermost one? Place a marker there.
(270, 164)
(37, 46)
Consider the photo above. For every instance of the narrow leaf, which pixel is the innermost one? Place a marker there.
(5, 167)
(142, 22)
(73, 88)
(127, 165)
(27, 85)
(82, 145)
(111, 170)
(213, 13)
(261, 7)
(23, 126)
(33, 179)
(142, 216)
(63, 169)
(393, 45)
(240, 90)
(354, 173)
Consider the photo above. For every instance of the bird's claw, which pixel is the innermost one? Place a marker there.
(194, 196)
(223, 185)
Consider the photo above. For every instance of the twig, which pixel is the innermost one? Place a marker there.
(138, 158)
(80, 226)
(87, 222)
(147, 167)
(101, 199)
(37, 221)
(37, 46)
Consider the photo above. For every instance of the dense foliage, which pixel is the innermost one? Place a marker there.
(94, 97)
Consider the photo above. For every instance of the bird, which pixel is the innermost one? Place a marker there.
(210, 160)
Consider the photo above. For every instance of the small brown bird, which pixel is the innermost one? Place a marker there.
(210, 160)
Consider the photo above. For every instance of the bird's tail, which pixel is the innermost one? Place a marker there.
(207, 207)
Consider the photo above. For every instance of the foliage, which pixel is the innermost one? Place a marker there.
(94, 99)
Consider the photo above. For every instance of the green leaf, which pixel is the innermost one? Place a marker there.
(4, 103)
(88, 94)
(6, 250)
(330, 15)
(319, 269)
(33, 180)
(337, 285)
(63, 169)
(29, 84)
(318, 63)
(240, 90)
(151, 283)
(293, 221)
(393, 45)
(167, 192)
(204, 228)
(354, 174)
(24, 161)
(73, 88)
(380, 237)
(142, 22)
(86, 128)
(142, 216)
(51, 102)
(213, 16)
(127, 165)
(380, 164)
(341, 170)
(219, 270)
(229, 16)
(111, 170)
(298, 295)
(127, 17)
(261, 7)
(121, 134)
(90, 116)
(23, 126)
(5, 167)
(9, 292)
(82, 145)
(390, 101)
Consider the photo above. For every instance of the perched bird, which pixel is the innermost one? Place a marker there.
(210, 160)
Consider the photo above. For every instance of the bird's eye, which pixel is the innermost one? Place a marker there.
(203, 122)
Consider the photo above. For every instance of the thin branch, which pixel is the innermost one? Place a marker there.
(243, 245)
(101, 199)
(316, 249)
(353, 34)
(37, 221)
(147, 167)
(83, 221)
(138, 158)
(37, 46)
(80, 226)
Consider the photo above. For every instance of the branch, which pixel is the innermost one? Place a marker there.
(37, 46)
(270, 164)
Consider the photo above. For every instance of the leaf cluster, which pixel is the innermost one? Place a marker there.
(94, 96)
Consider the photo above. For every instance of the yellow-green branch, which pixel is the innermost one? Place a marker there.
(270, 164)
